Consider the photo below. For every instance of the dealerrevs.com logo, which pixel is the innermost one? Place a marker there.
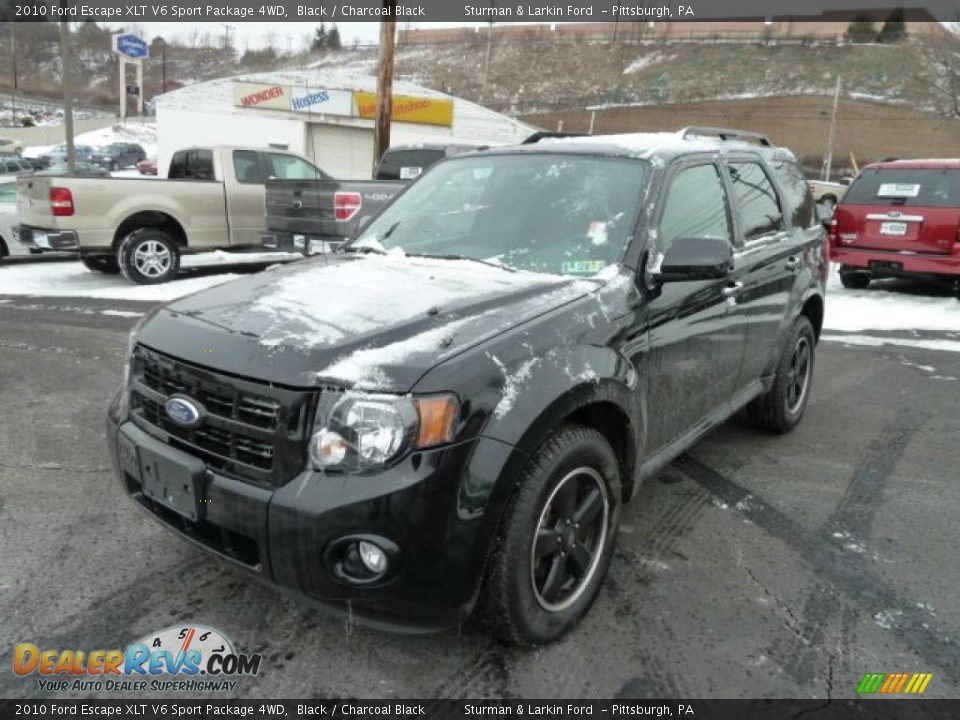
(186, 659)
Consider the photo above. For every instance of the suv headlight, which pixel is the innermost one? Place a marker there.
(360, 431)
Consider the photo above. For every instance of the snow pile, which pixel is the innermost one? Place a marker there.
(71, 279)
(877, 308)
(144, 134)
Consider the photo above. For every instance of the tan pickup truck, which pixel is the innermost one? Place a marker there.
(212, 198)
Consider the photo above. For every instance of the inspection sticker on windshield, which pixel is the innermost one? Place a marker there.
(582, 267)
(410, 172)
(900, 190)
(597, 232)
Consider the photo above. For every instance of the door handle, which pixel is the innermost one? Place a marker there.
(732, 290)
(296, 205)
(793, 263)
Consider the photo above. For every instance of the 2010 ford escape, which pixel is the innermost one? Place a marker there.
(450, 413)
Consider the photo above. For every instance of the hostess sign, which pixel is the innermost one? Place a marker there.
(347, 103)
(131, 46)
(331, 102)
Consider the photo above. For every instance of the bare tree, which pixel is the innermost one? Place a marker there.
(939, 69)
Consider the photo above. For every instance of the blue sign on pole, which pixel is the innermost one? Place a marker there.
(131, 46)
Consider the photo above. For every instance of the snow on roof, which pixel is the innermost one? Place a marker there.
(217, 95)
(647, 144)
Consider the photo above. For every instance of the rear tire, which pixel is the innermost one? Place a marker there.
(106, 264)
(854, 280)
(148, 257)
(556, 539)
(781, 407)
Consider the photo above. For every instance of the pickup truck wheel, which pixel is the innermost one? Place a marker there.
(148, 257)
(556, 539)
(780, 409)
(106, 264)
(853, 280)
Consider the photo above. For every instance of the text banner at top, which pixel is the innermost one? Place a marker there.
(464, 10)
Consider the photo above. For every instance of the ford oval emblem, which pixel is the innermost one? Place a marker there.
(183, 411)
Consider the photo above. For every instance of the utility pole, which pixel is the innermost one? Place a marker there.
(828, 160)
(66, 77)
(13, 91)
(381, 133)
(163, 64)
(486, 62)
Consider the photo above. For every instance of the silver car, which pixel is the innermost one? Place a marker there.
(9, 243)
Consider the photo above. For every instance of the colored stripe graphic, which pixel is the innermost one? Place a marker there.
(894, 683)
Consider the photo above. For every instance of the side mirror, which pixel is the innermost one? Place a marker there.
(695, 258)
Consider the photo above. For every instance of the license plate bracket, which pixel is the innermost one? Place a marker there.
(174, 485)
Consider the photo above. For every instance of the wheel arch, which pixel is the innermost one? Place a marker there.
(813, 310)
(156, 219)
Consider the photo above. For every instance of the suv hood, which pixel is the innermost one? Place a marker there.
(365, 321)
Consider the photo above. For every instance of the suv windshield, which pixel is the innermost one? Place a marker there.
(562, 214)
(910, 188)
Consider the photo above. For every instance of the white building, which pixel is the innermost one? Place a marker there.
(323, 115)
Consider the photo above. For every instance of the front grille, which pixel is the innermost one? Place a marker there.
(249, 430)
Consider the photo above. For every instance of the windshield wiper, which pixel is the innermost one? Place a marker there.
(455, 256)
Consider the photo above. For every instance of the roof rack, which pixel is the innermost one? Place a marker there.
(726, 134)
(543, 135)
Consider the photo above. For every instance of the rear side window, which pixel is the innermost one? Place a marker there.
(796, 192)
(696, 206)
(757, 201)
(247, 167)
(8, 194)
(291, 167)
(407, 164)
(11, 167)
(192, 165)
(909, 188)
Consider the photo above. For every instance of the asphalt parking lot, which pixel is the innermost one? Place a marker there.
(753, 566)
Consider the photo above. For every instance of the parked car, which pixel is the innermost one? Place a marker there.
(147, 167)
(58, 154)
(118, 155)
(211, 199)
(899, 219)
(451, 412)
(827, 193)
(14, 165)
(407, 162)
(80, 169)
(9, 242)
(310, 216)
(13, 147)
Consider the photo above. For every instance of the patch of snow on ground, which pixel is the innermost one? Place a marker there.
(871, 341)
(887, 619)
(71, 279)
(879, 309)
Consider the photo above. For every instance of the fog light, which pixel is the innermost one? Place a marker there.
(374, 559)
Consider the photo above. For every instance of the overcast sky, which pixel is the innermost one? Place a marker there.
(283, 36)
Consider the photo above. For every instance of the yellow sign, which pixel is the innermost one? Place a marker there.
(408, 109)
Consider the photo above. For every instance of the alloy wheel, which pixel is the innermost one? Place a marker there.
(152, 259)
(798, 376)
(569, 540)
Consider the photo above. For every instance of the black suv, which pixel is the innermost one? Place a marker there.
(450, 413)
(118, 155)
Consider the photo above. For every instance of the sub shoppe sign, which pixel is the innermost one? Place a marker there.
(348, 103)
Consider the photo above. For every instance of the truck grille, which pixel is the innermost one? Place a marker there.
(251, 431)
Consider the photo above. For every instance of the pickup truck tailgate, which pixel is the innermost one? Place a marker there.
(33, 201)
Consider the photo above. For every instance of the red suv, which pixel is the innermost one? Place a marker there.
(899, 219)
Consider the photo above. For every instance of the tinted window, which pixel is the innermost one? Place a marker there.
(178, 165)
(407, 164)
(916, 188)
(560, 214)
(8, 193)
(11, 167)
(290, 167)
(757, 201)
(696, 206)
(247, 167)
(796, 192)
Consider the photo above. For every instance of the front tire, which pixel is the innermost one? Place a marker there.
(780, 409)
(556, 539)
(106, 264)
(148, 257)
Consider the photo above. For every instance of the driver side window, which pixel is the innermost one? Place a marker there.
(696, 206)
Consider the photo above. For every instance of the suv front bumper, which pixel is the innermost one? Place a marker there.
(432, 507)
